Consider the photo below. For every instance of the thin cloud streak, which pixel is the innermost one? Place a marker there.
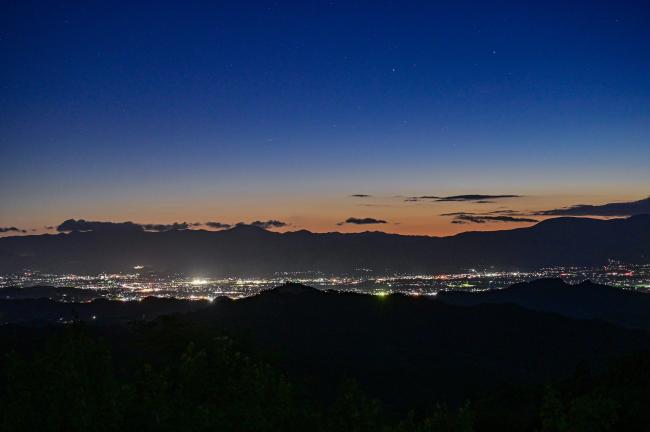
(477, 198)
(481, 219)
(272, 223)
(362, 221)
(11, 229)
(611, 209)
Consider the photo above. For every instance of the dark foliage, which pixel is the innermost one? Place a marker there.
(72, 384)
(297, 359)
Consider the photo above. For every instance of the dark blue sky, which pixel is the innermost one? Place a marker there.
(110, 108)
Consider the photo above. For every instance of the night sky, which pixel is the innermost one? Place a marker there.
(159, 112)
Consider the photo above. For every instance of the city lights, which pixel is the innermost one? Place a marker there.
(138, 285)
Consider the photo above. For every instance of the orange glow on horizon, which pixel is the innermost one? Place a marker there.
(327, 214)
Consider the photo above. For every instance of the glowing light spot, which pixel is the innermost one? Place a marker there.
(198, 282)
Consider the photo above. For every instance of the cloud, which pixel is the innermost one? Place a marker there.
(360, 196)
(476, 198)
(509, 212)
(272, 223)
(421, 197)
(375, 205)
(502, 212)
(481, 199)
(612, 209)
(217, 225)
(503, 215)
(463, 218)
(11, 229)
(362, 221)
(84, 225)
(167, 227)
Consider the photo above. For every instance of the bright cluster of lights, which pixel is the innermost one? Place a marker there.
(141, 284)
(199, 282)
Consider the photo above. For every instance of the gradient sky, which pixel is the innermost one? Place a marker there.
(163, 112)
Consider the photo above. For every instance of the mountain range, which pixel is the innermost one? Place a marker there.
(253, 251)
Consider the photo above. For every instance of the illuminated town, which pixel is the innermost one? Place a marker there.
(139, 284)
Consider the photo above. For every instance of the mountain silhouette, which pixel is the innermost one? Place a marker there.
(586, 300)
(253, 251)
(404, 349)
(407, 349)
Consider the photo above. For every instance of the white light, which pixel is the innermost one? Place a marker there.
(197, 282)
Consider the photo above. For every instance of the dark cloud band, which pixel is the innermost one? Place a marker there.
(272, 223)
(481, 199)
(84, 225)
(480, 219)
(362, 221)
(176, 226)
(71, 225)
(217, 225)
(11, 229)
(612, 209)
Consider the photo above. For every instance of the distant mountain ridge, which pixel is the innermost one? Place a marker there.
(586, 300)
(251, 251)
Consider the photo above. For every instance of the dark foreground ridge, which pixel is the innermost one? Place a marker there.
(586, 300)
(559, 241)
(490, 362)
